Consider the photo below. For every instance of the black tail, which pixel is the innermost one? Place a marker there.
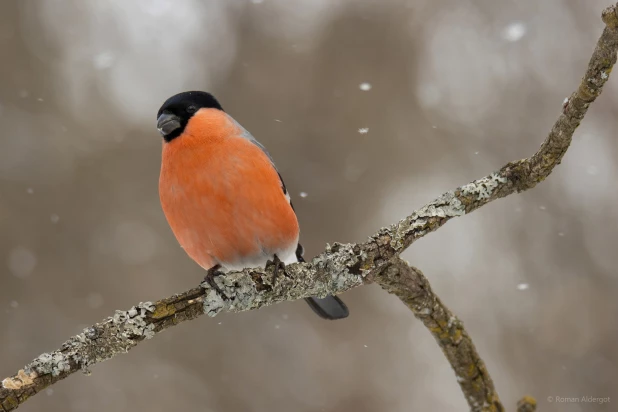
(330, 307)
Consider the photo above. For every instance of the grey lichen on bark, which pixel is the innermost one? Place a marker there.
(331, 273)
(116, 334)
(340, 268)
(119, 332)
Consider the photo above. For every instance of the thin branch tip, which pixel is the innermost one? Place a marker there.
(610, 16)
(526, 404)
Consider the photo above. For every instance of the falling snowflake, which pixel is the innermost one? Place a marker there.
(365, 86)
(21, 262)
(523, 286)
(95, 300)
(103, 60)
(303, 194)
(54, 218)
(514, 31)
(363, 130)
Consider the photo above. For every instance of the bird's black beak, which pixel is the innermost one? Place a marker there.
(167, 123)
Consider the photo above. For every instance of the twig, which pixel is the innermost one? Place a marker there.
(341, 267)
(526, 404)
(410, 285)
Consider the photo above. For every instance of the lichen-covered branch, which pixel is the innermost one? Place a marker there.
(410, 285)
(524, 174)
(117, 334)
(340, 268)
(526, 404)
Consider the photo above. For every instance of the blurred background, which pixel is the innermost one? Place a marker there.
(370, 109)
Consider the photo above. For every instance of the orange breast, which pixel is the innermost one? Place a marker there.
(221, 195)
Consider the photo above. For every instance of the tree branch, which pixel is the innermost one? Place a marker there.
(526, 404)
(340, 268)
(410, 285)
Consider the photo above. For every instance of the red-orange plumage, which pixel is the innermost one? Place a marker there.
(222, 196)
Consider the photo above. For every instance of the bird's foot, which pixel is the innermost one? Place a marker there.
(211, 274)
(278, 269)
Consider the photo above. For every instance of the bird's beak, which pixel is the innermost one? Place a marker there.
(167, 123)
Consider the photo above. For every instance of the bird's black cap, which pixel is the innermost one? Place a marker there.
(174, 114)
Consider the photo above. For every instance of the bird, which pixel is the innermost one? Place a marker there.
(222, 195)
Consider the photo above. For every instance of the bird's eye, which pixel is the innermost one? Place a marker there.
(191, 109)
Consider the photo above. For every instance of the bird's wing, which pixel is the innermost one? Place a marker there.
(244, 133)
(330, 307)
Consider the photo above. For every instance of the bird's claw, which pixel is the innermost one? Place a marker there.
(279, 267)
(211, 274)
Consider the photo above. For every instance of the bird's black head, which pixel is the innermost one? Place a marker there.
(175, 113)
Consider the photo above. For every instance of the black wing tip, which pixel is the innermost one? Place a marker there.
(329, 308)
(300, 251)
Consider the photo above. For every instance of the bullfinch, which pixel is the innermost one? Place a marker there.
(222, 195)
